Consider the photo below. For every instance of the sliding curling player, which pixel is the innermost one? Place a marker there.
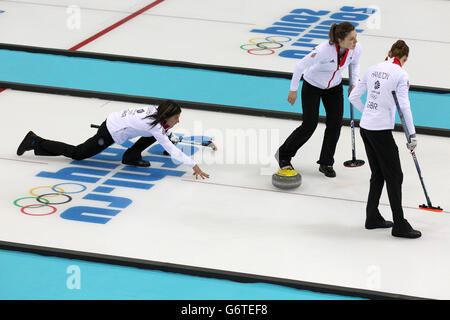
(387, 86)
(322, 80)
(150, 123)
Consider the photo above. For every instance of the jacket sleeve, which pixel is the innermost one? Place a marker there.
(174, 152)
(403, 100)
(310, 59)
(357, 92)
(354, 66)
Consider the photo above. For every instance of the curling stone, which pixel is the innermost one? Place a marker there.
(286, 179)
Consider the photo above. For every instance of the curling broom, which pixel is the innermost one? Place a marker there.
(354, 162)
(428, 207)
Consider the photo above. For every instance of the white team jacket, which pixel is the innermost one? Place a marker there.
(323, 69)
(128, 124)
(378, 113)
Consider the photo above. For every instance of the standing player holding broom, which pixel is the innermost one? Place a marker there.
(322, 81)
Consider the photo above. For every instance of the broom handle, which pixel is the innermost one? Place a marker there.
(400, 113)
(352, 121)
(408, 138)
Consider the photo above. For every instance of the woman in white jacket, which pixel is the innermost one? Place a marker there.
(151, 123)
(322, 80)
(377, 123)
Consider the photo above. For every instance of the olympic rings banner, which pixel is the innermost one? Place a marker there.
(99, 179)
(299, 32)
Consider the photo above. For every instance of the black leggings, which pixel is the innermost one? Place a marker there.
(92, 146)
(333, 101)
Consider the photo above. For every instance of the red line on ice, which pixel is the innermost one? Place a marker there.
(115, 25)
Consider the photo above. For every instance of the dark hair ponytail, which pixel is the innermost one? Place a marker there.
(164, 111)
(340, 31)
(399, 49)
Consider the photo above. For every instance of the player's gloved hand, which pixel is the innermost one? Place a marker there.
(412, 145)
(173, 138)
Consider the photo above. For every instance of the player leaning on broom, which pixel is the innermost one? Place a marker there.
(376, 125)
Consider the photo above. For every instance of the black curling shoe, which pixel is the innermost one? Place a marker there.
(27, 143)
(406, 231)
(327, 171)
(282, 162)
(137, 163)
(379, 225)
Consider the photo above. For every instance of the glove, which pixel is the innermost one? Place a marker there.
(173, 138)
(412, 145)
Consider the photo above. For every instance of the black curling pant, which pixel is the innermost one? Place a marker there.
(134, 152)
(384, 162)
(333, 101)
(92, 146)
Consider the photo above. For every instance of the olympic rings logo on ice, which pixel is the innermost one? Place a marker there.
(266, 47)
(44, 202)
